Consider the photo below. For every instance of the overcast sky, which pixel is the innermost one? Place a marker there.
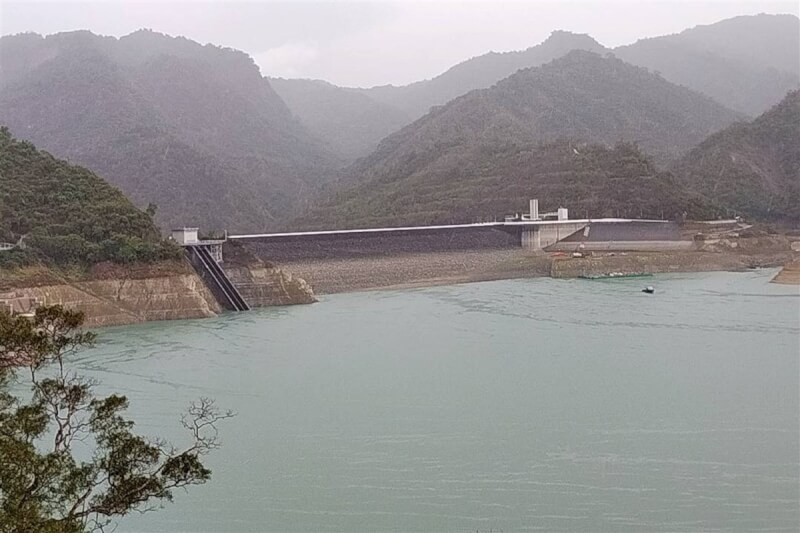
(379, 42)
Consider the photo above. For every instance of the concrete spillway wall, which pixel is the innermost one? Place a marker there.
(540, 237)
(387, 244)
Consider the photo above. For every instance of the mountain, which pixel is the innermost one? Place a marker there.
(746, 63)
(194, 129)
(753, 167)
(478, 141)
(67, 214)
(478, 73)
(581, 95)
(588, 179)
(350, 122)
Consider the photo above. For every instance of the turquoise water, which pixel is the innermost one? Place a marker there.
(526, 405)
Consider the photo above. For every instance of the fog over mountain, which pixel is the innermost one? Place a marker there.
(747, 64)
(350, 122)
(194, 129)
(363, 44)
(197, 130)
(492, 144)
(478, 73)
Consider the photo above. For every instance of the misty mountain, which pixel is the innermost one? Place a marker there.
(752, 168)
(469, 147)
(747, 63)
(351, 122)
(194, 129)
(478, 73)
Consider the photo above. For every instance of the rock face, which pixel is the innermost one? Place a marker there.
(114, 302)
(129, 301)
(266, 286)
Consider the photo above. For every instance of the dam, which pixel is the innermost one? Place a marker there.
(346, 259)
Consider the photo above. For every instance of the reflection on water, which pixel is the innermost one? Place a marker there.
(528, 405)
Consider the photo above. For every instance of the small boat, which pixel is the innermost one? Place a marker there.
(649, 290)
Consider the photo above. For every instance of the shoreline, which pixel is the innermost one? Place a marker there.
(119, 300)
(411, 271)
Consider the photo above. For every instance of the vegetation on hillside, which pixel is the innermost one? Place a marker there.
(581, 95)
(195, 129)
(751, 168)
(67, 215)
(588, 179)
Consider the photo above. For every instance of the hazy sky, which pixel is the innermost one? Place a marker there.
(372, 43)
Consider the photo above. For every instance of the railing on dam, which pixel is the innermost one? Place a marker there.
(529, 234)
(512, 226)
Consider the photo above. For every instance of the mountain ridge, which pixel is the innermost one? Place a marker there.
(154, 113)
(582, 98)
(707, 59)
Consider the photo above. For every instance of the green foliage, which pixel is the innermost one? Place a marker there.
(44, 487)
(69, 215)
(194, 128)
(590, 180)
(486, 153)
(751, 168)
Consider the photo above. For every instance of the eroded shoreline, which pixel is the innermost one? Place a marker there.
(331, 276)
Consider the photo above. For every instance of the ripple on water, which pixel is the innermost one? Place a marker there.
(527, 405)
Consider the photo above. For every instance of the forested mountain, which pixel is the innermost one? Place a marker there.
(746, 63)
(194, 129)
(471, 146)
(351, 122)
(67, 214)
(752, 168)
(478, 73)
(581, 95)
(588, 179)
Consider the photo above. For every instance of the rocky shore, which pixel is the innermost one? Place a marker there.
(115, 295)
(112, 295)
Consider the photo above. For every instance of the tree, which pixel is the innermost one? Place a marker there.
(44, 487)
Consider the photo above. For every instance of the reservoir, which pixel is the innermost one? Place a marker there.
(524, 405)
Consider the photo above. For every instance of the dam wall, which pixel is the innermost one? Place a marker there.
(301, 248)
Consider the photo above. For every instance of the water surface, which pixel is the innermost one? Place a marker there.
(526, 405)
